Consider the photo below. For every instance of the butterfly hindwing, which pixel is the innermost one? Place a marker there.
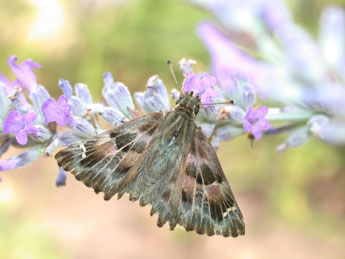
(207, 203)
(103, 161)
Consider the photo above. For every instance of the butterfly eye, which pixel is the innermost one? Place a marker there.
(196, 109)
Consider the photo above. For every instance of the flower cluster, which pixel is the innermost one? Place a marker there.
(286, 66)
(30, 118)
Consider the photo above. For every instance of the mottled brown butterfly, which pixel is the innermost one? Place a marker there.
(163, 159)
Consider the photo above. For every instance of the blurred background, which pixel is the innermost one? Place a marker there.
(293, 202)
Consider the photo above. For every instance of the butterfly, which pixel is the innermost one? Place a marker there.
(165, 160)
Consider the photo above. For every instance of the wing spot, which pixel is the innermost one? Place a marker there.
(123, 170)
(114, 134)
(229, 210)
(152, 130)
(191, 170)
(139, 146)
(199, 179)
(83, 148)
(207, 174)
(144, 127)
(125, 139)
(166, 195)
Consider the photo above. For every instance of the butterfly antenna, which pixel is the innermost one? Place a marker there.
(173, 74)
(226, 102)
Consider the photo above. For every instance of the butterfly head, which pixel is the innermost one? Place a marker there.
(189, 104)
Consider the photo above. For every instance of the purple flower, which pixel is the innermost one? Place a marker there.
(59, 111)
(20, 125)
(61, 178)
(203, 85)
(24, 72)
(228, 62)
(66, 88)
(7, 165)
(254, 121)
(8, 83)
(22, 159)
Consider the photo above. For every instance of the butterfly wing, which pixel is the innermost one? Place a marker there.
(207, 202)
(165, 161)
(103, 161)
(157, 173)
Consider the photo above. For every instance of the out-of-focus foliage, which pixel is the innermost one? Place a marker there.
(292, 202)
(133, 39)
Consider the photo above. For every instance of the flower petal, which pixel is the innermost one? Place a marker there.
(261, 112)
(22, 159)
(13, 123)
(54, 144)
(78, 107)
(112, 116)
(83, 93)
(38, 96)
(21, 137)
(156, 85)
(83, 128)
(66, 88)
(61, 178)
(108, 79)
(41, 133)
(24, 72)
(66, 138)
(297, 138)
(5, 103)
(254, 121)
(332, 36)
(118, 96)
(328, 130)
(59, 111)
(193, 83)
(4, 145)
(139, 97)
(7, 83)
(186, 66)
(155, 103)
(225, 133)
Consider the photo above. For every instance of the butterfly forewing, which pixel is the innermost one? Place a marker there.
(103, 161)
(162, 159)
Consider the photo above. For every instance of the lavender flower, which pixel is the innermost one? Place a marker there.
(22, 159)
(202, 84)
(7, 165)
(61, 178)
(24, 72)
(4, 81)
(186, 66)
(20, 125)
(117, 95)
(254, 121)
(155, 98)
(59, 111)
(293, 70)
(66, 88)
(332, 38)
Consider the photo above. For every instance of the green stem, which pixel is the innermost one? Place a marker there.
(290, 116)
